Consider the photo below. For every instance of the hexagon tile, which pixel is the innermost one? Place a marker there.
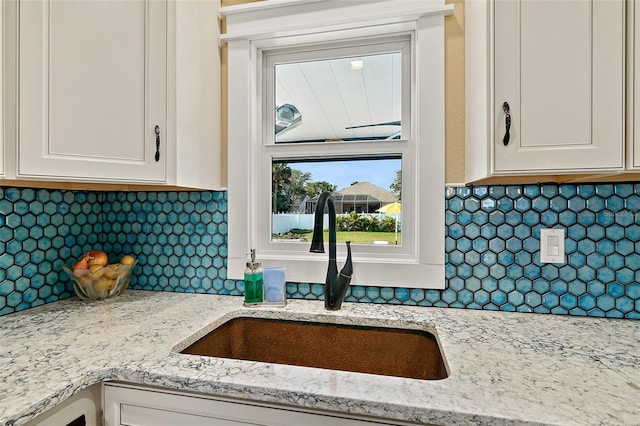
(179, 239)
(492, 247)
(491, 242)
(39, 231)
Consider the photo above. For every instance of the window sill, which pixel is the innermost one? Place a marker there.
(314, 270)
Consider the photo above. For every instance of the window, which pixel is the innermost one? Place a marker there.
(329, 95)
(345, 95)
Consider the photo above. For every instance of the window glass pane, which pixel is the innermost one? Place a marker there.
(366, 191)
(355, 98)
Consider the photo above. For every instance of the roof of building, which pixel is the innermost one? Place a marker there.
(360, 188)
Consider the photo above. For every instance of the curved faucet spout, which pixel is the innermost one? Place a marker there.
(336, 284)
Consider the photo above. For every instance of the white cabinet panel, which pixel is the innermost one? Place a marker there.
(91, 75)
(634, 87)
(560, 66)
(85, 403)
(2, 98)
(553, 74)
(132, 405)
(93, 86)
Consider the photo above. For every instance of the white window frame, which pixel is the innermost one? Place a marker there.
(269, 150)
(282, 25)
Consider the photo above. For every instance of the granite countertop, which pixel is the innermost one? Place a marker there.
(505, 368)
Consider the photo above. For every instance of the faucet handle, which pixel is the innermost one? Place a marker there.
(347, 269)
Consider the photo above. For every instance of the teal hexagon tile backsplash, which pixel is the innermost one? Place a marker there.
(179, 239)
(491, 247)
(602, 236)
(39, 231)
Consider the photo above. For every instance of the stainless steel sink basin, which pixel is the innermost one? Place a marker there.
(376, 350)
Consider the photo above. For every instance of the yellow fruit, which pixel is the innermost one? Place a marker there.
(99, 272)
(94, 268)
(115, 266)
(103, 284)
(127, 260)
(110, 272)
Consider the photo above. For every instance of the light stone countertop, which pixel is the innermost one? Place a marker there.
(505, 368)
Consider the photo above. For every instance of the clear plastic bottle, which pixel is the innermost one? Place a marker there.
(253, 282)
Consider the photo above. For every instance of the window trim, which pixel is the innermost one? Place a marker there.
(390, 266)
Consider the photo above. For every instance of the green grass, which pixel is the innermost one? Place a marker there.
(360, 237)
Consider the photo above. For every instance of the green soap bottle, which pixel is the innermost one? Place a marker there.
(253, 282)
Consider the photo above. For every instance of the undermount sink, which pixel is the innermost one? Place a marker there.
(364, 349)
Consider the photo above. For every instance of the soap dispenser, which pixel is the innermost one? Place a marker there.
(253, 282)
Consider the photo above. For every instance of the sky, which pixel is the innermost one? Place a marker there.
(344, 173)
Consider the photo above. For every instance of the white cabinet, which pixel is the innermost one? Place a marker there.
(82, 408)
(560, 66)
(133, 405)
(119, 91)
(93, 87)
(2, 97)
(633, 104)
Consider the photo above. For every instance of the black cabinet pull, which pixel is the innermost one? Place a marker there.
(157, 129)
(507, 111)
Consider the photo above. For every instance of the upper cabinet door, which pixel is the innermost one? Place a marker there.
(634, 87)
(2, 99)
(560, 67)
(93, 88)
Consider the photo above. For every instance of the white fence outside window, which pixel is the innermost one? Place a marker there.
(285, 222)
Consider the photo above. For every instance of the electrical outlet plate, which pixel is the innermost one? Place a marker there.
(552, 246)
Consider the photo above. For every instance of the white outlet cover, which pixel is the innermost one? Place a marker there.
(552, 245)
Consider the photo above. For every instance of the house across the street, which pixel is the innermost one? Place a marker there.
(361, 197)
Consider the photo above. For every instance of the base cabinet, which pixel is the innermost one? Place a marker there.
(132, 405)
(81, 409)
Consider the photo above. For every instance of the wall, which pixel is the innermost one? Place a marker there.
(39, 231)
(492, 247)
(491, 243)
(454, 94)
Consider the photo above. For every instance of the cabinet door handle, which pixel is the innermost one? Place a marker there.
(507, 111)
(157, 130)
